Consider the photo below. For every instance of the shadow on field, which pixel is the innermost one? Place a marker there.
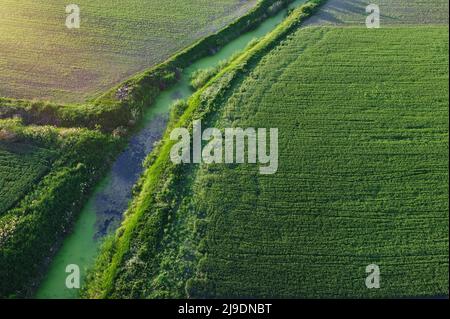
(330, 12)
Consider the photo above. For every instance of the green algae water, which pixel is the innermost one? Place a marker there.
(104, 210)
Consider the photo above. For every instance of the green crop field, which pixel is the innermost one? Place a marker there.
(115, 40)
(21, 166)
(363, 120)
(362, 179)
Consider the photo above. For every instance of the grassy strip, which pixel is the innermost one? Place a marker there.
(163, 173)
(106, 117)
(123, 105)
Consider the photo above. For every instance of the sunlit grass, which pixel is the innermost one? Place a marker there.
(41, 58)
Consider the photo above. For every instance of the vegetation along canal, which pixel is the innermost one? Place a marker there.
(103, 212)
